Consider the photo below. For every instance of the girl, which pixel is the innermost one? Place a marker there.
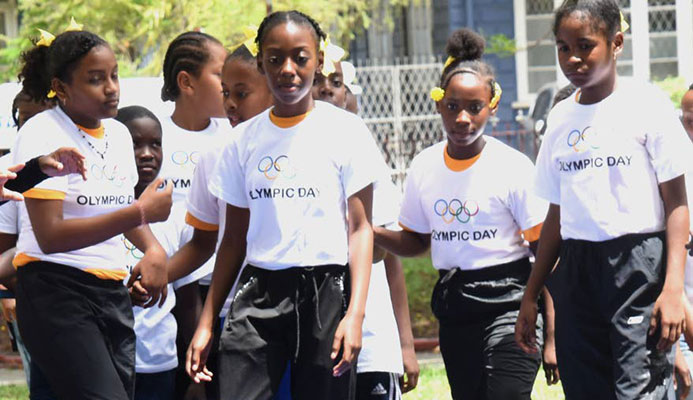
(73, 310)
(155, 328)
(617, 218)
(467, 198)
(387, 324)
(287, 203)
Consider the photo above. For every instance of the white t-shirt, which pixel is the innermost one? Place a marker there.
(9, 211)
(602, 163)
(182, 150)
(475, 217)
(295, 182)
(109, 187)
(381, 350)
(156, 328)
(206, 212)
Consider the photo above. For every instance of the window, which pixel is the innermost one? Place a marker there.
(541, 47)
(662, 28)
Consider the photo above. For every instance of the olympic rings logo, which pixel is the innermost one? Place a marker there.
(273, 168)
(108, 173)
(132, 250)
(580, 141)
(456, 210)
(181, 157)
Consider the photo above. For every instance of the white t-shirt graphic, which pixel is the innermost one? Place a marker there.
(602, 163)
(475, 216)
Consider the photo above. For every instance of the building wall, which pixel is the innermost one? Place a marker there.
(489, 17)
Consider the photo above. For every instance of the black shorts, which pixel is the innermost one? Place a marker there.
(477, 311)
(284, 316)
(604, 293)
(79, 331)
(377, 386)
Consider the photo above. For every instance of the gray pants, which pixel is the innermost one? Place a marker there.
(604, 293)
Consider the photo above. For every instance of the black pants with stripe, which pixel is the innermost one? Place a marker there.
(284, 316)
(79, 331)
(604, 294)
(377, 386)
(477, 311)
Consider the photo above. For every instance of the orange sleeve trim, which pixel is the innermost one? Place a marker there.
(22, 259)
(201, 225)
(287, 122)
(44, 194)
(107, 274)
(406, 228)
(532, 234)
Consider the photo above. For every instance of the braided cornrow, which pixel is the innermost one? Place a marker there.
(280, 17)
(188, 52)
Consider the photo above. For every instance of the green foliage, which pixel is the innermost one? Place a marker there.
(501, 45)
(140, 30)
(675, 87)
(421, 277)
(14, 392)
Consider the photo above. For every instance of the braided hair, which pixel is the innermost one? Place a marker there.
(280, 17)
(605, 16)
(188, 52)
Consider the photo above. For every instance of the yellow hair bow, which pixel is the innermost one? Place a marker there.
(333, 54)
(449, 61)
(624, 24)
(437, 94)
(497, 92)
(46, 38)
(51, 94)
(74, 26)
(249, 34)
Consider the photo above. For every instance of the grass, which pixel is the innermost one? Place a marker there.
(433, 385)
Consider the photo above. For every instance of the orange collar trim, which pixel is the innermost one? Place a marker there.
(97, 133)
(458, 165)
(287, 122)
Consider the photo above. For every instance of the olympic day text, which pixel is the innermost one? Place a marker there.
(594, 162)
(452, 236)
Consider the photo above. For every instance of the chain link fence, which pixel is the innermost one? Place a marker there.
(402, 117)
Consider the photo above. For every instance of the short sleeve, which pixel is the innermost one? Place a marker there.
(9, 219)
(185, 233)
(411, 214)
(363, 164)
(203, 207)
(32, 142)
(667, 143)
(527, 208)
(228, 179)
(546, 181)
(385, 203)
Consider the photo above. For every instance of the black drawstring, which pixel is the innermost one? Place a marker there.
(316, 301)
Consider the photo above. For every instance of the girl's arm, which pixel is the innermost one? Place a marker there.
(151, 269)
(348, 334)
(549, 357)
(547, 254)
(192, 255)
(229, 261)
(400, 305)
(402, 243)
(56, 235)
(668, 311)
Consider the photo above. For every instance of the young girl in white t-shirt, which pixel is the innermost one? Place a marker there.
(289, 177)
(74, 312)
(469, 200)
(618, 219)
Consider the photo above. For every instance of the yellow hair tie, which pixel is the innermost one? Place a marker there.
(333, 54)
(74, 26)
(448, 61)
(497, 92)
(249, 35)
(437, 94)
(51, 94)
(46, 38)
(624, 24)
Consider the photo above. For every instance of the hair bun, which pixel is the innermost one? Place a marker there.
(465, 45)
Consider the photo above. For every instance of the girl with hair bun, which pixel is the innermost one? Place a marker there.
(74, 311)
(469, 200)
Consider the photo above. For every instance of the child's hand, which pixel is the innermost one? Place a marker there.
(550, 362)
(348, 339)
(196, 357)
(669, 314)
(138, 294)
(411, 370)
(526, 326)
(682, 375)
(151, 273)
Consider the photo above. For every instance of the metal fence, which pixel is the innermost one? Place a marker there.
(399, 112)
